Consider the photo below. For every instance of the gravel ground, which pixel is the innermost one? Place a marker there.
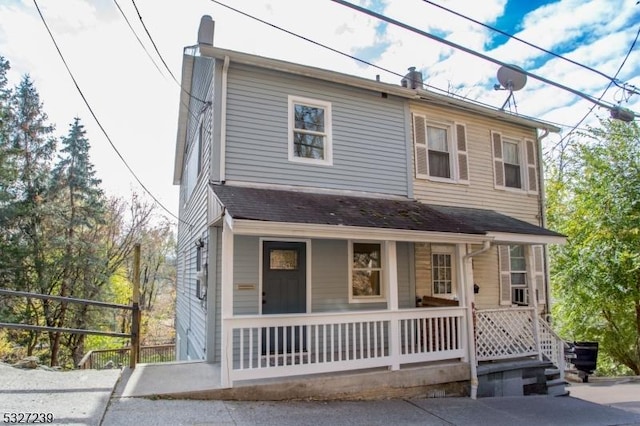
(71, 397)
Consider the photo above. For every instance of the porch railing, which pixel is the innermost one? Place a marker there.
(282, 345)
(552, 346)
(505, 333)
(112, 358)
(510, 333)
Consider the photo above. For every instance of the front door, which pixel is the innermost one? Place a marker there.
(284, 291)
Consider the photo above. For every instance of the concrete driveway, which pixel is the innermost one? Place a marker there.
(622, 393)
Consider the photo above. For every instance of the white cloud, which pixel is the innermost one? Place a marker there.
(138, 106)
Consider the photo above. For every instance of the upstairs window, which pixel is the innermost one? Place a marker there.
(440, 150)
(511, 164)
(515, 163)
(310, 131)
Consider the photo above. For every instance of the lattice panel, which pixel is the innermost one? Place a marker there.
(504, 333)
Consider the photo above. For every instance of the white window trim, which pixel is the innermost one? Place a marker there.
(328, 148)
(450, 250)
(383, 282)
(452, 143)
(522, 163)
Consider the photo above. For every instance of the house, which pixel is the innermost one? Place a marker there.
(332, 223)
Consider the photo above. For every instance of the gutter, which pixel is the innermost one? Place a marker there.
(543, 221)
(471, 342)
(223, 121)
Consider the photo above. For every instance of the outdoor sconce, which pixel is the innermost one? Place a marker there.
(476, 288)
(199, 243)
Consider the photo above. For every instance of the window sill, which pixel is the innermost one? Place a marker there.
(372, 299)
(310, 161)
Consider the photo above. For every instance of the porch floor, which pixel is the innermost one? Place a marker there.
(201, 380)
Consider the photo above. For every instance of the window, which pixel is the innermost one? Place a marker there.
(440, 150)
(438, 154)
(366, 272)
(511, 162)
(283, 260)
(441, 273)
(514, 163)
(310, 131)
(518, 268)
(518, 265)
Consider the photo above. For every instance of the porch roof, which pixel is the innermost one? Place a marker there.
(284, 206)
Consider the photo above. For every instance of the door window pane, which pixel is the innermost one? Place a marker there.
(280, 259)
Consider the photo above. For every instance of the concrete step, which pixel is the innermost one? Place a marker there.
(556, 387)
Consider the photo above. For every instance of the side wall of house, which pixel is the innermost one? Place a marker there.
(480, 192)
(191, 311)
(369, 135)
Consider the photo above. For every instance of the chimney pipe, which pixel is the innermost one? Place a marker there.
(205, 31)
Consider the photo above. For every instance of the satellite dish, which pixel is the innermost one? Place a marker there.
(511, 78)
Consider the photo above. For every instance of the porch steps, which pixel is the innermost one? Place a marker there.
(513, 378)
(556, 385)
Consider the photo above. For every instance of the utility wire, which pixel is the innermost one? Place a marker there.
(160, 55)
(624, 61)
(613, 79)
(64, 61)
(138, 38)
(473, 52)
(366, 62)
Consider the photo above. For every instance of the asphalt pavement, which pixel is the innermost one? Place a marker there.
(86, 397)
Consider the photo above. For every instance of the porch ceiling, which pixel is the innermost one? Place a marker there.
(271, 205)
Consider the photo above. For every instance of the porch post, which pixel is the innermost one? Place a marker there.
(465, 298)
(533, 299)
(392, 284)
(226, 303)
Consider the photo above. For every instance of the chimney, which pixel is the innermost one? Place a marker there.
(205, 31)
(413, 79)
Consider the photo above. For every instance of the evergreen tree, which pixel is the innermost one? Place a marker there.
(29, 146)
(79, 206)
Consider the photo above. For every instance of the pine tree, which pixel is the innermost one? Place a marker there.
(30, 146)
(80, 206)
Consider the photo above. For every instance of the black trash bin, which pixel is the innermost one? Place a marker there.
(585, 358)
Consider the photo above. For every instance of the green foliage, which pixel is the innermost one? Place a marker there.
(595, 201)
(60, 235)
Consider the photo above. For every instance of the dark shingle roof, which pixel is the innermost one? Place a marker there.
(272, 205)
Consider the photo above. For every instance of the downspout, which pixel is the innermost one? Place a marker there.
(543, 223)
(471, 340)
(223, 120)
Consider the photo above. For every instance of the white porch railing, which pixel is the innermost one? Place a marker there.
(286, 345)
(552, 346)
(505, 333)
(510, 333)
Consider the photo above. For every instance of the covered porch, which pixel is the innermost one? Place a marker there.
(334, 329)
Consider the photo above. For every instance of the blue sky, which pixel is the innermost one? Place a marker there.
(137, 104)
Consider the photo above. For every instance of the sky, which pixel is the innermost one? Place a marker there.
(136, 98)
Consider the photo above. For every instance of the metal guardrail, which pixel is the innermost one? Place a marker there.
(112, 358)
(134, 335)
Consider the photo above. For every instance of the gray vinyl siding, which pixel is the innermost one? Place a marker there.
(190, 311)
(246, 258)
(369, 134)
(480, 192)
(214, 295)
(330, 278)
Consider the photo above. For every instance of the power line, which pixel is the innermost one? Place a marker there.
(613, 79)
(137, 38)
(473, 52)
(624, 61)
(64, 61)
(160, 55)
(474, 101)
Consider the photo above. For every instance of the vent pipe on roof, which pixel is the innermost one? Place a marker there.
(205, 31)
(413, 80)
